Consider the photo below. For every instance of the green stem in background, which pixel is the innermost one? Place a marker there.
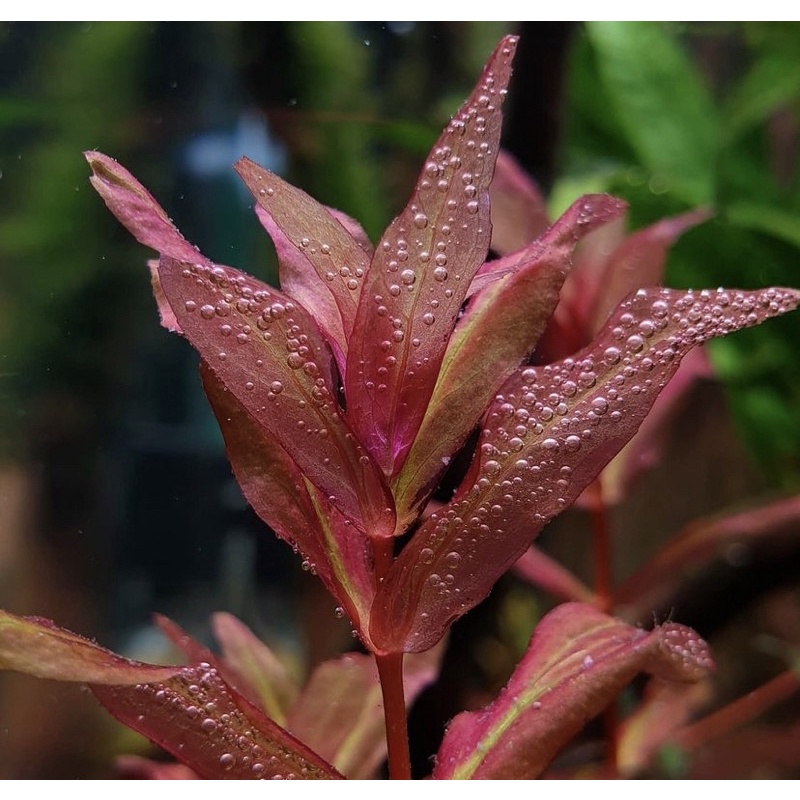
(390, 672)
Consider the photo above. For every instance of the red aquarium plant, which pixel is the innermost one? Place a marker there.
(342, 398)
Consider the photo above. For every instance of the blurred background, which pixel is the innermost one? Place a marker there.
(116, 499)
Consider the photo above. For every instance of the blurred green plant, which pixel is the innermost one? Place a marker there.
(673, 116)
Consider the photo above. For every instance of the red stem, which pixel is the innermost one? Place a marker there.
(601, 546)
(601, 552)
(739, 711)
(390, 672)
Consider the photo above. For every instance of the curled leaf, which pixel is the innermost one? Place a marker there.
(577, 662)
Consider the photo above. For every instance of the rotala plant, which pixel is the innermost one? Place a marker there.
(342, 398)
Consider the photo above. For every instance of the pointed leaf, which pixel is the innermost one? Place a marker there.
(209, 727)
(421, 272)
(609, 266)
(300, 282)
(275, 488)
(327, 259)
(280, 365)
(548, 433)
(138, 210)
(257, 665)
(37, 646)
(269, 353)
(498, 330)
(577, 662)
(519, 210)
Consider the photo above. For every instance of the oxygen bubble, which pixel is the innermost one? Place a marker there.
(408, 277)
(572, 443)
(420, 221)
(635, 343)
(440, 274)
(428, 318)
(394, 290)
(276, 387)
(226, 761)
(426, 555)
(190, 305)
(207, 311)
(208, 725)
(472, 207)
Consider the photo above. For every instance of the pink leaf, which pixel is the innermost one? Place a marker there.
(274, 486)
(268, 352)
(210, 728)
(340, 712)
(519, 210)
(497, 331)
(577, 662)
(138, 210)
(322, 265)
(547, 435)
(652, 586)
(421, 272)
(663, 709)
(269, 682)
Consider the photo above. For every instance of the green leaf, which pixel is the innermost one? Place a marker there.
(661, 104)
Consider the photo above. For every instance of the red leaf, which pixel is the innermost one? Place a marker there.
(340, 712)
(37, 646)
(268, 352)
(421, 272)
(209, 727)
(519, 210)
(138, 210)
(320, 261)
(494, 335)
(547, 435)
(264, 679)
(274, 486)
(577, 662)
